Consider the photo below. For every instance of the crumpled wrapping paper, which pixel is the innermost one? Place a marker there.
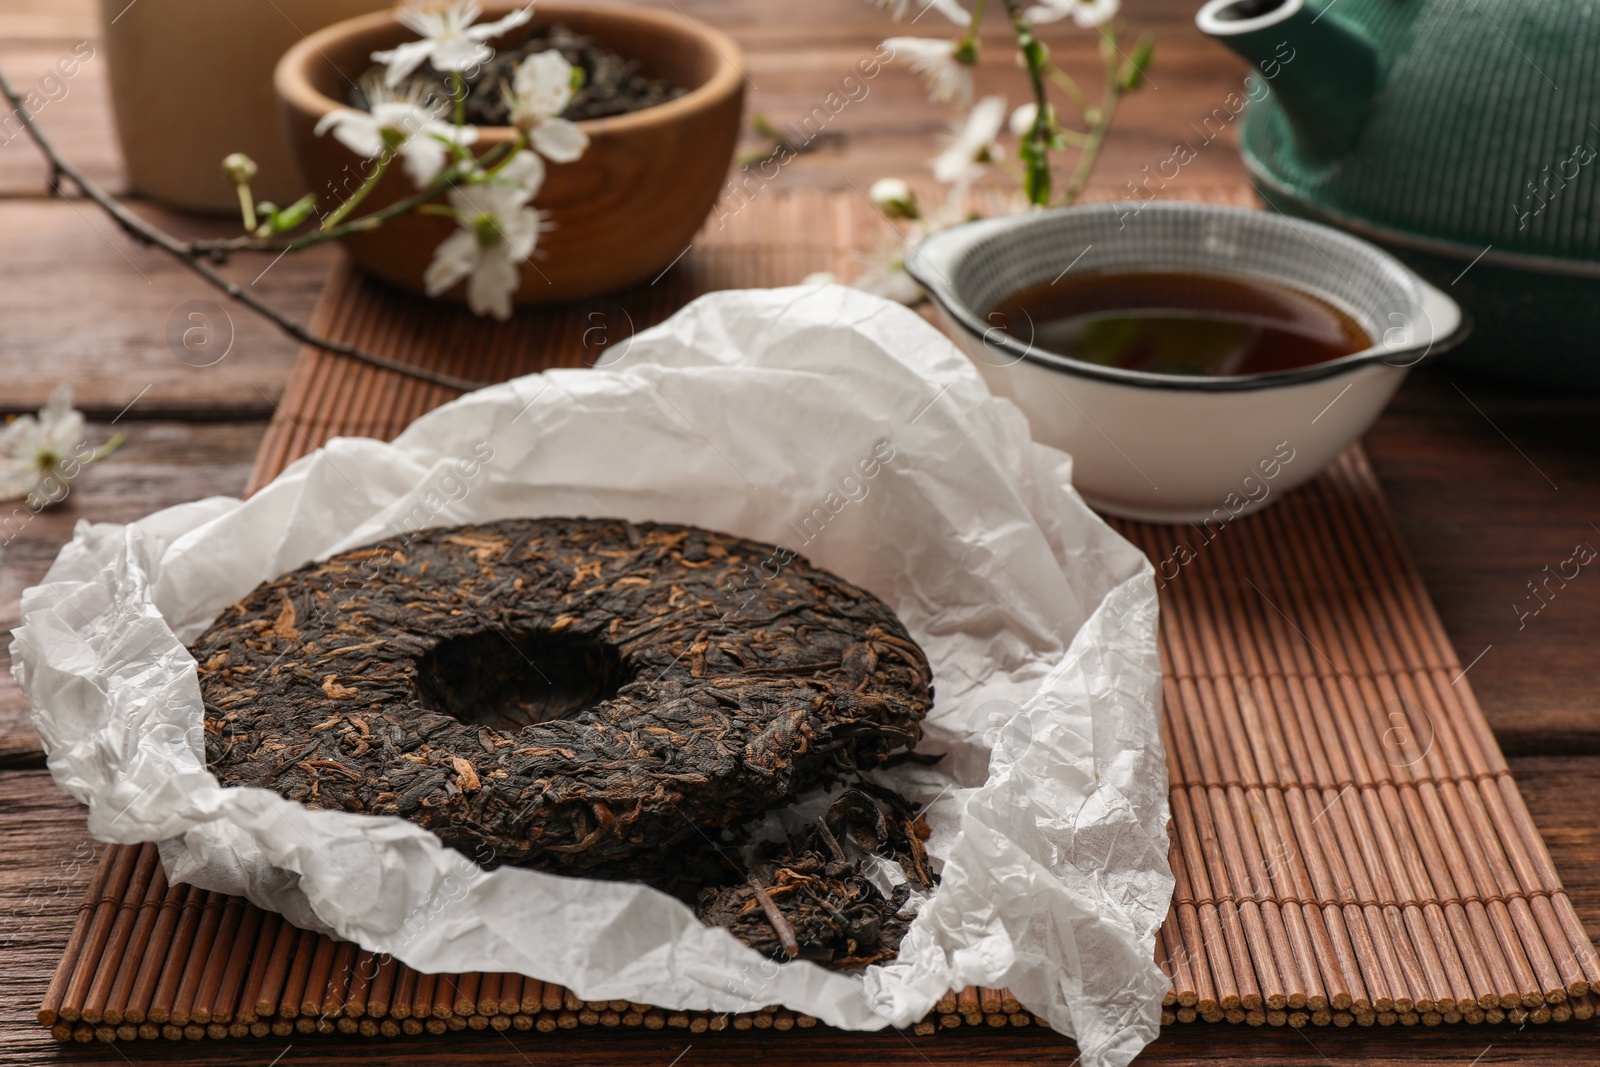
(818, 418)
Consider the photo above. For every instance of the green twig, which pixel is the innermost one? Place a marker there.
(247, 206)
(458, 95)
(1035, 147)
(1068, 85)
(342, 212)
(106, 449)
(976, 23)
(508, 153)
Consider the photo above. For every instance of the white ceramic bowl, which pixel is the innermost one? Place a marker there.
(1174, 448)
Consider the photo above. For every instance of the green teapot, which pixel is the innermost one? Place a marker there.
(1461, 135)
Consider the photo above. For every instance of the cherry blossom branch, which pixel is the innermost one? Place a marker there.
(353, 201)
(1035, 148)
(223, 247)
(970, 41)
(199, 255)
(1067, 84)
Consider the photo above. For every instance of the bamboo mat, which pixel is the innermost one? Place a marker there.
(1349, 845)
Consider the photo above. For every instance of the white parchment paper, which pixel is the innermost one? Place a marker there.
(835, 424)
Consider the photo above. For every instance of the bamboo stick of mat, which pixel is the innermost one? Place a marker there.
(125, 916)
(176, 959)
(268, 995)
(444, 996)
(380, 998)
(405, 989)
(95, 918)
(316, 984)
(250, 994)
(466, 993)
(225, 1004)
(296, 973)
(198, 1003)
(120, 1008)
(189, 977)
(422, 1002)
(361, 978)
(337, 988)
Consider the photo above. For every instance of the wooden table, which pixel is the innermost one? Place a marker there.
(1490, 485)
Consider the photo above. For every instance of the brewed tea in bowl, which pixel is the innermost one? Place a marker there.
(1196, 360)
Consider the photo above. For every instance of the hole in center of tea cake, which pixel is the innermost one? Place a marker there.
(509, 680)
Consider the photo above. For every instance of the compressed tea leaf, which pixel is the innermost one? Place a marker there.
(812, 898)
(591, 697)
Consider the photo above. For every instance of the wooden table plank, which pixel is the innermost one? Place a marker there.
(42, 833)
(75, 112)
(84, 304)
(49, 20)
(1469, 466)
(162, 463)
(1551, 1046)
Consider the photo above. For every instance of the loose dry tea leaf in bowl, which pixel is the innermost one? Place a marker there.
(611, 84)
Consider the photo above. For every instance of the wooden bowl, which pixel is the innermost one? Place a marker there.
(620, 214)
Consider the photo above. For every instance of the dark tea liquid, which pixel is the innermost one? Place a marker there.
(1173, 322)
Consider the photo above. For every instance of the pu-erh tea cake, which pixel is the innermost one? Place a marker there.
(595, 698)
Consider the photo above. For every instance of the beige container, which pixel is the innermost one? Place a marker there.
(191, 81)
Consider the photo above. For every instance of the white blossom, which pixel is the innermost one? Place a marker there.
(940, 63)
(897, 199)
(1086, 13)
(971, 145)
(950, 9)
(498, 231)
(450, 41)
(541, 90)
(422, 141)
(887, 191)
(40, 455)
(1022, 118)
